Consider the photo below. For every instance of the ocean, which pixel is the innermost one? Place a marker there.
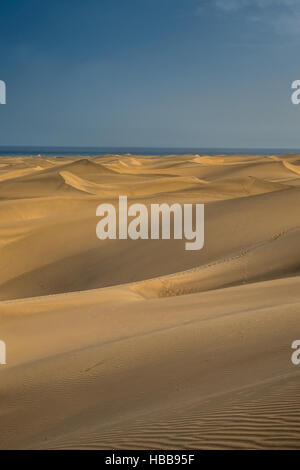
(96, 151)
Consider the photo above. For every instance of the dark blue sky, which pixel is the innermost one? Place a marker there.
(150, 73)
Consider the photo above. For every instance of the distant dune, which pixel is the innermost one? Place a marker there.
(142, 344)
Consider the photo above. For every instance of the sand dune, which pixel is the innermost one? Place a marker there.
(142, 344)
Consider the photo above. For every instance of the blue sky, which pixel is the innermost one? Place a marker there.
(188, 73)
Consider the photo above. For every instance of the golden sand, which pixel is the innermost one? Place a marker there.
(142, 344)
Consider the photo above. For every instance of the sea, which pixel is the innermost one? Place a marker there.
(97, 151)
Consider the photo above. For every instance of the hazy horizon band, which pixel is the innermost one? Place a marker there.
(96, 151)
